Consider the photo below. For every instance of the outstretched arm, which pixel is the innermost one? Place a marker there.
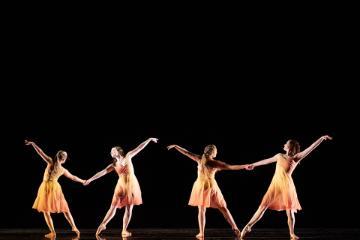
(135, 151)
(39, 151)
(73, 177)
(224, 166)
(100, 174)
(264, 162)
(185, 152)
(311, 148)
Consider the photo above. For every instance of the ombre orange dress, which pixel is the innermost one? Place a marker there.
(281, 194)
(50, 197)
(205, 191)
(127, 190)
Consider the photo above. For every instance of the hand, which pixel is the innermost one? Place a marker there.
(155, 140)
(171, 146)
(249, 167)
(326, 137)
(86, 182)
(28, 142)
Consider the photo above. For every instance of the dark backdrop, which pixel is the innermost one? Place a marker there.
(248, 98)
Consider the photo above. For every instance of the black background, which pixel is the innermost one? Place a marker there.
(246, 88)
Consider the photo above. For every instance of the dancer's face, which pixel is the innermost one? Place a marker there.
(214, 153)
(114, 153)
(286, 146)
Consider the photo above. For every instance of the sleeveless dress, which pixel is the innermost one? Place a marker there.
(50, 197)
(127, 190)
(281, 194)
(205, 191)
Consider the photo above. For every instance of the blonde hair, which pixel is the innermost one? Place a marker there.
(54, 167)
(209, 149)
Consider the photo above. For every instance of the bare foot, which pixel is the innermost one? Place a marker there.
(99, 238)
(237, 232)
(77, 232)
(101, 228)
(50, 235)
(245, 230)
(200, 236)
(125, 233)
(293, 236)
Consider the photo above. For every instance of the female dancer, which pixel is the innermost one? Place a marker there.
(205, 192)
(50, 198)
(281, 194)
(127, 191)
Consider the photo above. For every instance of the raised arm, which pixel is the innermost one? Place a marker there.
(185, 152)
(311, 148)
(39, 151)
(264, 162)
(100, 174)
(135, 151)
(224, 166)
(73, 177)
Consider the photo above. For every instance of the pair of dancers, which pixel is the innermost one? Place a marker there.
(281, 194)
(50, 198)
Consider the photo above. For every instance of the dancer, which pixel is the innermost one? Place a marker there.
(127, 191)
(281, 194)
(206, 192)
(50, 198)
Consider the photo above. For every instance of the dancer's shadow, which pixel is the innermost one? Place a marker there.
(103, 238)
(54, 238)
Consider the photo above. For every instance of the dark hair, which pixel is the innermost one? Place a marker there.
(209, 149)
(294, 147)
(121, 152)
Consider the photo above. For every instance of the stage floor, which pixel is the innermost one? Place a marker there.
(155, 234)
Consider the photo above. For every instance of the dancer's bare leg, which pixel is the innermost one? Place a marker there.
(202, 221)
(291, 222)
(109, 215)
(70, 219)
(126, 220)
(257, 216)
(50, 224)
(225, 211)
